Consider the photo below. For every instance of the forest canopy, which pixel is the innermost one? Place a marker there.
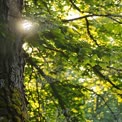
(73, 56)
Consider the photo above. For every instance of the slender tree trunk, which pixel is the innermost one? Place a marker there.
(12, 97)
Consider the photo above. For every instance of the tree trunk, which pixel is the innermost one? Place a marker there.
(12, 97)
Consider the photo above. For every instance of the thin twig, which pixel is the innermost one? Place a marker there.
(73, 4)
(115, 20)
(97, 72)
(89, 33)
(104, 102)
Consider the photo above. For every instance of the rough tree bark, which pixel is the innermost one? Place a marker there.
(12, 97)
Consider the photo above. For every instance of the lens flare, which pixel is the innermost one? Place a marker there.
(26, 25)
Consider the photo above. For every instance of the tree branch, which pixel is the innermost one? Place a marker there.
(54, 49)
(51, 81)
(81, 86)
(118, 70)
(92, 15)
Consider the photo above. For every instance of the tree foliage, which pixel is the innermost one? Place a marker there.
(73, 67)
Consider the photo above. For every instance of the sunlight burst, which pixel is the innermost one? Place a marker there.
(26, 25)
